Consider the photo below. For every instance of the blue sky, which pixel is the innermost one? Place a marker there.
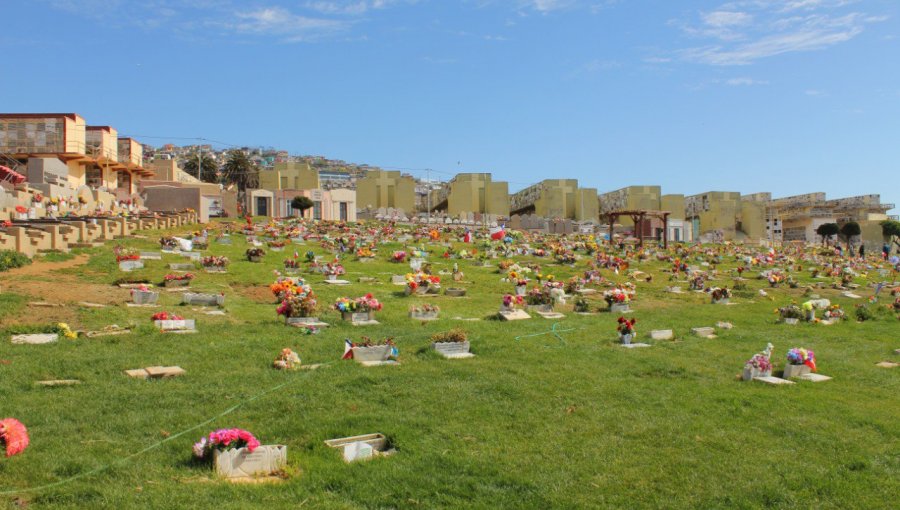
(788, 96)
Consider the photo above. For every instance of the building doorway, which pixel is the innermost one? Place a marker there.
(262, 206)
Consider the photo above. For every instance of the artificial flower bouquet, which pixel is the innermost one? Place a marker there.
(834, 312)
(398, 256)
(511, 302)
(254, 253)
(123, 254)
(178, 277)
(168, 243)
(455, 335)
(720, 294)
(616, 296)
(800, 362)
(366, 303)
(276, 244)
(425, 309)
(626, 329)
(302, 302)
(223, 440)
(13, 436)
(760, 365)
(801, 356)
(287, 360)
(216, 261)
(291, 263)
(422, 283)
(364, 253)
(538, 296)
(791, 311)
(166, 316)
(333, 269)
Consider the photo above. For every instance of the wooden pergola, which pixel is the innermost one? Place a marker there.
(638, 217)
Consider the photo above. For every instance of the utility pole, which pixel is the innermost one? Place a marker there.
(428, 194)
(199, 161)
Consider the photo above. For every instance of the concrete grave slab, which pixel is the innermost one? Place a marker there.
(35, 339)
(514, 315)
(724, 325)
(704, 332)
(662, 334)
(814, 377)
(634, 345)
(59, 382)
(887, 364)
(773, 380)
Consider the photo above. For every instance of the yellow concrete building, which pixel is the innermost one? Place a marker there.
(292, 175)
(714, 214)
(472, 193)
(557, 199)
(632, 198)
(386, 189)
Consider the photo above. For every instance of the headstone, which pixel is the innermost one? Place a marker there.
(634, 345)
(151, 255)
(59, 382)
(887, 364)
(724, 325)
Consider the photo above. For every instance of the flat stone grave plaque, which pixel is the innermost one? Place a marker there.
(814, 377)
(724, 325)
(773, 380)
(155, 372)
(191, 298)
(662, 334)
(398, 280)
(176, 325)
(151, 255)
(59, 382)
(337, 282)
(35, 339)
(887, 364)
(305, 321)
(704, 332)
(551, 315)
(634, 345)
(182, 267)
(130, 265)
(514, 315)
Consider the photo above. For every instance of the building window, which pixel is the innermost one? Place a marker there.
(317, 210)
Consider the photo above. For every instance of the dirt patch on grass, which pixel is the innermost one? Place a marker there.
(44, 281)
(256, 293)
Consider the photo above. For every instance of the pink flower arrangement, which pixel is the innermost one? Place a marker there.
(166, 316)
(223, 440)
(13, 436)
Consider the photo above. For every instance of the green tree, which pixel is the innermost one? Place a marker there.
(890, 229)
(826, 230)
(301, 204)
(240, 171)
(850, 229)
(209, 168)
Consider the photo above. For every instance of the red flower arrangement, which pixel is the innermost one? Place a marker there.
(166, 316)
(626, 326)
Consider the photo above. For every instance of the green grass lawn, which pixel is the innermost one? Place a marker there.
(573, 421)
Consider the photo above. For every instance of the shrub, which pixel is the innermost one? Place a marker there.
(863, 313)
(12, 259)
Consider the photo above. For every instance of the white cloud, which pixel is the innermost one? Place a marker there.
(744, 31)
(281, 22)
(746, 82)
